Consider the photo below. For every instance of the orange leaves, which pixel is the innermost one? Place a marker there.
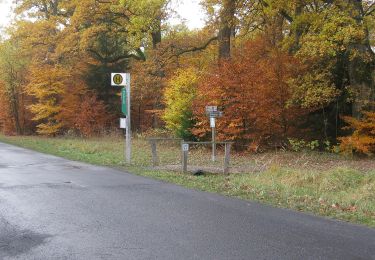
(80, 108)
(64, 102)
(363, 138)
(6, 122)
(91, 117)
(253, 91)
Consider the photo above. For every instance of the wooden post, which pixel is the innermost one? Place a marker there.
(155, 158)
(185, 153)
(227, 157)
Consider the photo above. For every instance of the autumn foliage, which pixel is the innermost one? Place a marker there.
(253, 92)
(6, 122)
(281, 70)
(92, 116)
(82, 111)
(179, 96)
(363, 138)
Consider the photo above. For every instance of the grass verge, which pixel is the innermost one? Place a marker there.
(341, 190)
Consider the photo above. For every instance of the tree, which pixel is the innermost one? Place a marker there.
(362, 140)
(92, 116)
(179, 96)
(333, 35)
(13, 68)
(254, 93)
(47, 85)
(222, 15)
(227, 19)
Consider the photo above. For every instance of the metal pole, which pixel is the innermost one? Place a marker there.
(128, 150)
(213, 144)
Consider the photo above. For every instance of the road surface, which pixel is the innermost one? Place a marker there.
(52, 208)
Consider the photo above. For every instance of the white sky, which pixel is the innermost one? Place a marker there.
(5, 12)
(188, 10)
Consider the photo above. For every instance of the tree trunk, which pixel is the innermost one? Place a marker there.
(227, 16)
(14, 108)
(156, 34)
(298, 31)
(361, 73)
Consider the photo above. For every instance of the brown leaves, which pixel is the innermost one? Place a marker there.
(252, 89)
(363, 138)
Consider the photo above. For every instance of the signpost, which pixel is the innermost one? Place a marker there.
(213, 113)
(123, 80)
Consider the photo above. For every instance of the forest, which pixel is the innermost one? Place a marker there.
(286, 74)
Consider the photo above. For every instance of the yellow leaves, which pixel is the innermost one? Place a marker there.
(44, 110)
(50, 128)
(47, 81)
(179, 96)
(329, 33)
(313, 90)
(47, 84)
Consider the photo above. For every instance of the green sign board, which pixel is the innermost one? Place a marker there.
(124, 107)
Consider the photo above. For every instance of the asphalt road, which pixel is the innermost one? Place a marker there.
(52, 208)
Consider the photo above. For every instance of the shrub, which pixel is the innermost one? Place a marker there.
(92, 116)
(254, 93)
(363, 138)
(179, 96)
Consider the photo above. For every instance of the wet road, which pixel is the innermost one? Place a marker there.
(52, 208)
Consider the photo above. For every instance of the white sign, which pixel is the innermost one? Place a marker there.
(123, 123)
(212, 122)
(185, 147)
(210, 109)
(216, 114)
(119, 79)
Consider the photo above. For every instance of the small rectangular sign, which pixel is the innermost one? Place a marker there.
(212, 122)
(210, 109)
(123, 123)
(185, 147)
(119, 79)
(216, 114)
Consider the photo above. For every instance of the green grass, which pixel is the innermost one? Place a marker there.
(322, 184)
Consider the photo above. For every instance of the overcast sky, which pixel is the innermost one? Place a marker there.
(5, 12)
(189, 10)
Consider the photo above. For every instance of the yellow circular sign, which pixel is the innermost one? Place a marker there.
(118, 79)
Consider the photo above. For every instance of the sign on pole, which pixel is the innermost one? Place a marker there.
(118, 79)
(123, 79)
(210, 109)
(213, 113)
(128, 145)
(123, 123)
(212, 122)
